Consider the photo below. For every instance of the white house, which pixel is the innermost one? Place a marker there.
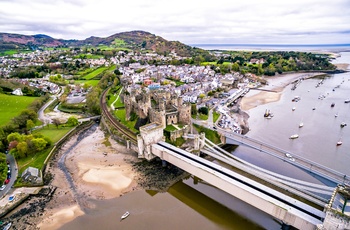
(18, 92)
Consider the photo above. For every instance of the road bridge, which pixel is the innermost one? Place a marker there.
(289, 210)
(308, 165)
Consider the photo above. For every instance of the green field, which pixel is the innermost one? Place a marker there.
(53, 133)
(94, 73)
(11, 106)
(89, 82)
(88, 56)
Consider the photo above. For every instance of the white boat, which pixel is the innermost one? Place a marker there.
(347, 101)
(301, 124)
(339, 142)
(336, 115)
(288, 155)
(125, 215)
(7, 226)
(293, 108)
(294, 136)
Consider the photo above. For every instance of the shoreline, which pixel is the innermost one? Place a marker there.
(99, 170)
(90, 166)
(276, 84)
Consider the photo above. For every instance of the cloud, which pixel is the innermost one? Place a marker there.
(191, 22)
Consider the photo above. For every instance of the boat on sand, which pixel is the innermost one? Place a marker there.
(125, 215)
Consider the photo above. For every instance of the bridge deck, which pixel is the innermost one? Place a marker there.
(283, 207)
(313, 167)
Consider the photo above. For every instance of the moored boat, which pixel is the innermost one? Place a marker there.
(339, 143)
(343, 124)
(332, 105)
(347, 101)
(294, 136)
(125, 215)
(301, 124)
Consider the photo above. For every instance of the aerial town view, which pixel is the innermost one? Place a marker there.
(186, 115)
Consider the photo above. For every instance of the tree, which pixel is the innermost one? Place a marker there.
(30, 124)
(193, 109)
(72, 121)
(22, 149)
(39, 144)
(202, 95)
(56, 122)
(203, 110)
(14, 137)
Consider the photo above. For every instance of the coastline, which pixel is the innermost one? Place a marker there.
(275, 86)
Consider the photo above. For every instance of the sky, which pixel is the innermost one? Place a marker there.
(187, 21)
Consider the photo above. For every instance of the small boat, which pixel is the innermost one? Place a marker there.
(339, 142)
(7, 226)
(336, 115)
(301, 124)
(332, 105)
(294, 136)
(293, 108)
(347, 101)
(343, 124)
(313, 108)
(125, 215)
(288, 155)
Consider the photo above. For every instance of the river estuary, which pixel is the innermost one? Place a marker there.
(193, 204)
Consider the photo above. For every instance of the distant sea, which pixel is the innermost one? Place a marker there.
(275, 47)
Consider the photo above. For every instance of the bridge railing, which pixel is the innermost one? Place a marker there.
(328, 173)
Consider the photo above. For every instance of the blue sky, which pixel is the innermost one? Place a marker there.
(191, 22)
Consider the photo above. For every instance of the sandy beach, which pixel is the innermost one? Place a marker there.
(275, 84)
(99, 169)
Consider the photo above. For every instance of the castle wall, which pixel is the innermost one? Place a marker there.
(171, 119)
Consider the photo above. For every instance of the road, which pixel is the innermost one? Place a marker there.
(41, 115)
(14, 173)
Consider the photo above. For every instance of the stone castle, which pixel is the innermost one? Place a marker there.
(157, 105)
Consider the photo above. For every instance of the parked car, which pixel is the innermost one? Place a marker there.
(9, 176)
(7, 181)
(2, 187)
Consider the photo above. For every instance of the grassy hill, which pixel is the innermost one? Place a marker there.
(135, 40)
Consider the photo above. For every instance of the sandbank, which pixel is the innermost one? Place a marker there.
(275, 84)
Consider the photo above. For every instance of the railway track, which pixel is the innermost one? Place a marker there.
(116, 124)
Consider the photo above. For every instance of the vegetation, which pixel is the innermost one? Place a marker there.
(170, 128)
(52, 132)
(11, 106)
(178, 142)
(94, 73)
(37, 160)
(120, 115)
(270, 62)
(22, 146)
(216, 116)
(3, 168)
(209, 134)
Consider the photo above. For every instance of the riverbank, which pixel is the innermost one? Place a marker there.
(274, 88)
(89, 166)
(98, 168)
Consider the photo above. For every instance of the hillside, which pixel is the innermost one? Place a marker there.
(134, 40)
